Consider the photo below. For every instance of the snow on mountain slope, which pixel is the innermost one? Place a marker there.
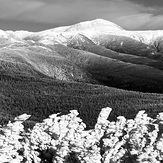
(124, 44)
(104, 33)
(55, 30)
(80, 41)
(21, 34)
(91, 29)
(107, 54)
(97, 25)
(146, 37)
(63, 34)
(7, 37)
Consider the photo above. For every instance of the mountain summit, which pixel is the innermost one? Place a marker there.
(97, 24)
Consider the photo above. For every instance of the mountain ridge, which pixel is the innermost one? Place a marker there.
(111, 57)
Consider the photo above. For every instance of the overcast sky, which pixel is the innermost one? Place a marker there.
(36, 15)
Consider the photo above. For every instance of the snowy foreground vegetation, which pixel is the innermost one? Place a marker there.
(63, 139)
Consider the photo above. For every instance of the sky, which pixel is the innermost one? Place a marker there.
(37, 15)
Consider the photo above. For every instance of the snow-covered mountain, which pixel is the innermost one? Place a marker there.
(96, 51)
(76, 67)
(98, 31)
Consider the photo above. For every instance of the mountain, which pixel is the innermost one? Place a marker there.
(35, 60)
(85, 66)
(113, 72)
(99, 25)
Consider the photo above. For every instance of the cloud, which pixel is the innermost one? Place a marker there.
(149, 2)
(9, 9)
(128, 14)
(135, 21)
(155, 22)
(142, 21)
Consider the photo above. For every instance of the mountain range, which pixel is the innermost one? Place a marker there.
(85, 66)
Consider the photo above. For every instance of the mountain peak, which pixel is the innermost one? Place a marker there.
(102, 21)
(106, 23)
(97, 24)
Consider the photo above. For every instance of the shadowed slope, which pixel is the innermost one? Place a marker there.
(83, 43)
(112, 72)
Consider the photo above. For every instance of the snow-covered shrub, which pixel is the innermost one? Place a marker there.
(63, 139)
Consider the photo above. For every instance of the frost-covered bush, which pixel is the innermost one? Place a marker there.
(63, 139)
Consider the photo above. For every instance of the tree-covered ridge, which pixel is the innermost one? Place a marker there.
(42, 97)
